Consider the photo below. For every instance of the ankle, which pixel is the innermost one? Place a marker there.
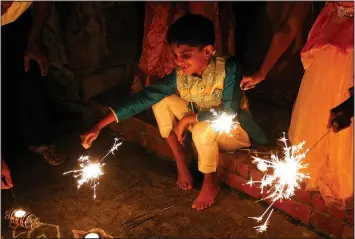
(211, 179)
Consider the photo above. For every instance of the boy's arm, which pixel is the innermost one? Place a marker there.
(231, 92)
(142, 100)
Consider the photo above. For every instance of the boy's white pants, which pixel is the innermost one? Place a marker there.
(206, 140)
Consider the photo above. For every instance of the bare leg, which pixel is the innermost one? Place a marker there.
(184, 180)
(208, 193)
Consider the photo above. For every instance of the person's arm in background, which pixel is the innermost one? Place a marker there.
(340, 116)
(281, 40)
(41, 11)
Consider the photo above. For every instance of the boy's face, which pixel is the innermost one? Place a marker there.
(191, 60)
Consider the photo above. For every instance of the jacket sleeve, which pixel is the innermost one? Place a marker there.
(147, 97)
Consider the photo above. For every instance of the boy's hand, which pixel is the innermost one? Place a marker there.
(183, 125)
(6, 180)
(88, 137)
(249, 82)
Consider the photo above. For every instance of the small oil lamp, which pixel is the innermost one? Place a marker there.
(21, 218)
(92, 235)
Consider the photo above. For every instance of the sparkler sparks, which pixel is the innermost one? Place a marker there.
(285, 178)
(223, 122)
(90, 172)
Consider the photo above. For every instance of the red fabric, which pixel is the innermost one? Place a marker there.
(331, 29)
(156, 59)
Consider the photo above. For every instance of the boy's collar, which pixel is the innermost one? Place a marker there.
(208, 69)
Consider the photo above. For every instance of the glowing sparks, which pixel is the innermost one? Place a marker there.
(263, 227)
(90, 172)
(223, 122)
(285, 178)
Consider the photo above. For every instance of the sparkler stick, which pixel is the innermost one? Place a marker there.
(319, 140)
(13, 196)
(115, 146)
(90, 172)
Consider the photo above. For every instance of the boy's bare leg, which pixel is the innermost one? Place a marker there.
(208, 193)
(184, 180)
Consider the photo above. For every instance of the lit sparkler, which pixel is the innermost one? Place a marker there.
(223, 122)
(285, 178)
(90, 172)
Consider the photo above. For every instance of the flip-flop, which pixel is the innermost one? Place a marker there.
(46, 154)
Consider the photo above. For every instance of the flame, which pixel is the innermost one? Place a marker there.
(19, 213)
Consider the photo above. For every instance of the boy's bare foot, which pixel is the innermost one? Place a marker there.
(208, 193)
(184, 180)
(183, 159)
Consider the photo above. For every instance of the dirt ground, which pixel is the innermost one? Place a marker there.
(136, 183)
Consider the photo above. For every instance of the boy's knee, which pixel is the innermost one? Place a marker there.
(202, 134)
(163, 104)
(205, 167)
(165, 131)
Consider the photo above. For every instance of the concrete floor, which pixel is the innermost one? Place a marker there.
(135, 183)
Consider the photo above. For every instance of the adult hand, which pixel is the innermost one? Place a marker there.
(88, 137)
(340, 116)
(249, 82)
(6, 180)
(339, 120)
(33, 53)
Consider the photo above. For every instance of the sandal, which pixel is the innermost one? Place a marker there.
(47, 154)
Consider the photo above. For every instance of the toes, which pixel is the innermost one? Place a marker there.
(182, 185)
(179, 184)
(201, 205)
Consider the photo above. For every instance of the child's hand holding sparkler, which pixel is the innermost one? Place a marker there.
(88, 137)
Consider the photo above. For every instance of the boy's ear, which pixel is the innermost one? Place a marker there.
(208, 50)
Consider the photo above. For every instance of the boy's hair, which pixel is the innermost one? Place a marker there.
(192, 30)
